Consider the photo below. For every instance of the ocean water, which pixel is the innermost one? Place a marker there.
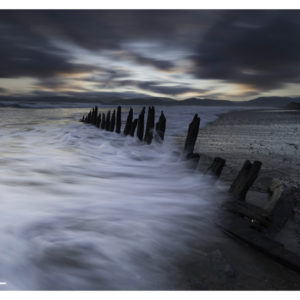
(83, 208)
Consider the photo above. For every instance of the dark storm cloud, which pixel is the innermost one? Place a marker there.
(26, 37)
(107, 29)
(259, 48)
(25, 53)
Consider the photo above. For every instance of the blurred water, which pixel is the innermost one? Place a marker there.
(82, 208)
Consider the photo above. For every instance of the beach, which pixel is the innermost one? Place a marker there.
(268, 135)
(87, 209)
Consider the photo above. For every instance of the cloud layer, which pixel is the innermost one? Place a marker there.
(167, 53)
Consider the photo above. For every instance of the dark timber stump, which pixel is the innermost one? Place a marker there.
(192, 135)
(140, 125)
(103, 121)
(280, 205)
(112, 121)
(99, 120)
(193, 160)
(245, 179)
(216, 167)
(133, 127)
(160, 128)
(128, 122)
(92, 115)
(119, 122)
(150, 125)
(107, 125)
(89, 117)
(95, 115)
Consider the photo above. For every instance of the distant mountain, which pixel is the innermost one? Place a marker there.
(293, 105)
(271, 101)
(141, 101)
(261, 101)
(110, 99)
(207, 102)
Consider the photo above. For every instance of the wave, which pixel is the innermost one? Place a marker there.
(87, 209)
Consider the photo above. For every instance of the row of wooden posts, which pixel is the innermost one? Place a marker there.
(245, 177)
(249, 223)
(113, 122)
(245, 221)
(240, 185)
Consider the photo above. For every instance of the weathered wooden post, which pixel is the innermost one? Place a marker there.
(99, 120)
(140, 125)
(107, 125)
(150, 125)
(119, 121)
(112, 121)
(280, 205)
(133, 127)
(128, 122)
(193, 160)
(245, 179)
(216, 167)
(89, 117)
(95, 115)
(92, 115)
(103, 121)
(191, 136)
(160, 128)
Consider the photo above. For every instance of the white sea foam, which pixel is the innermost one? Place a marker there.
(82, 208)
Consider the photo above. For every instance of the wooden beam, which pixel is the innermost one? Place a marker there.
(245, 179)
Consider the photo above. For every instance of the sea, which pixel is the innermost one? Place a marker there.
(86, 209)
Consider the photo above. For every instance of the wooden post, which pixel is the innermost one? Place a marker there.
(193, 160)
(112, 121)
(150, 125)
(89, 117)
(192, 136)
(245, 179)
(103, 122)
(92, 115)
(99, 120)
(140, 125)
(128, 122)
(133, 127)
(160, 128)
(107, 125)
(280, 205)
(216, 167)
(95, 115)
(119, 121)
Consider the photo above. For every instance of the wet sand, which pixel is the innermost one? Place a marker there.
(271, 136)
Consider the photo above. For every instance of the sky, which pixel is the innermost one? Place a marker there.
(217, 54)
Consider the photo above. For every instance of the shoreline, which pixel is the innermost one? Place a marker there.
(248, 134)
(240, 135)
